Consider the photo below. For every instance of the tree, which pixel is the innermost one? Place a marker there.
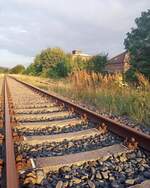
(138, 44)
(30, 70)
(51, 57)
(61, 69)
(37, 66)
(97, 63)
(18, 69)
(79, 63)
(51, 62)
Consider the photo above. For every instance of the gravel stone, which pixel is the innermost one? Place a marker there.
(115, 185)
(93, 170)
(129, 182)
(98, 175)
(105, 175)
(65, 169)
(91, 184)
(147, 174)
(139, 154)
(131, 156)
(76, 180)
(59, 184)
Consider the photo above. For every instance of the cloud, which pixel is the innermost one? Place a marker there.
(91, 25)
(17, 30)
(9, 59)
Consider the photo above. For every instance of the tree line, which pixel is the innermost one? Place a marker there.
(55, 63)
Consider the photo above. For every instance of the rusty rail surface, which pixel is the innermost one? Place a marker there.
(11, 172)
(117, 128)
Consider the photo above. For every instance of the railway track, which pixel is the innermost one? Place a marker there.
(55, 143)
(2, 135)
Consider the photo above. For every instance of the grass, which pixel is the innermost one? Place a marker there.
(105, 93)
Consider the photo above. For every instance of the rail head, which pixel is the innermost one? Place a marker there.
(118, 128)
(12, 180)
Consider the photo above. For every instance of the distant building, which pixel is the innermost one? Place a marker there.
(78, 53)
(119, 63)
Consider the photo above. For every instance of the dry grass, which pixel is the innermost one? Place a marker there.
(106, 93)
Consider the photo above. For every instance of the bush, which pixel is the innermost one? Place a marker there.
(51, 62)
(18, 69)
(97, 63)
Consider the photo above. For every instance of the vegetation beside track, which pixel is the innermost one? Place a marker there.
(107, 94)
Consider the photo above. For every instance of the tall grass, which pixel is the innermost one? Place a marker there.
(106, 93)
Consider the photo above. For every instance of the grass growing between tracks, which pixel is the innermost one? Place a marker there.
(104, 93)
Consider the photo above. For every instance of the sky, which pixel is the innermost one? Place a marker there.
(93, 26)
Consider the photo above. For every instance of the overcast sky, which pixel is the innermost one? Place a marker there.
(93, 26)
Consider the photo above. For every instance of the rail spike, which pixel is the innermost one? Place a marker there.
(84, 118)
(103, 129)
(132, 144)
(62, 106)
(71, 111)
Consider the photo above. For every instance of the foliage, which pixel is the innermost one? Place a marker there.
(97, 63)
(18, 69)
(138, 44)
(61, 69)
(51, 62)
(79, 64)
(130, 75)
(30, 70)
(55, 63)
(3, 70)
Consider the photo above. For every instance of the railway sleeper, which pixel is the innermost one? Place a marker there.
(33, 140)
(33, 106)
(39, 110)
(50, 130)
(56, 123)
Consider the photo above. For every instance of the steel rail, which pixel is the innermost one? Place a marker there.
(115, 127)
(11, 172)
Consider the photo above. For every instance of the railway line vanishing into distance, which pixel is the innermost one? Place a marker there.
(46, 142)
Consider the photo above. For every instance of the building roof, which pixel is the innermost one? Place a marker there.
(117, 59)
